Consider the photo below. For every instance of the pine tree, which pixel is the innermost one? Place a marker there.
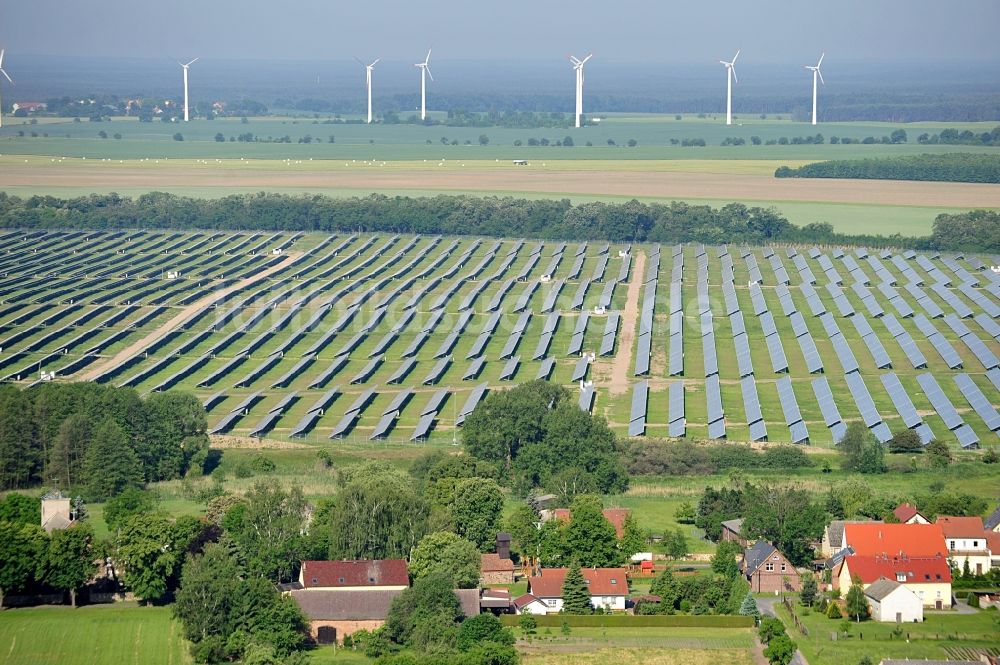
(633, 537)
(748, 607)
(576, 597)
(808, 593)
(111, 464)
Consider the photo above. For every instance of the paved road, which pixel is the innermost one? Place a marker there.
(766, 607)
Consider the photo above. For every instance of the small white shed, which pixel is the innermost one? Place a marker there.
(891, 601)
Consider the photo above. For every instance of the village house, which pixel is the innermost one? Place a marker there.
(992, 521)
(608, 588)
(29, 107)
(966, 540)
(732, 530)
(833, 536)
(339, 598)
(914, 540)
(908, 514)
(891, 601)
(927, 577)
(768, 570)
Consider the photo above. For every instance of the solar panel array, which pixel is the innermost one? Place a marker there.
(424, 314)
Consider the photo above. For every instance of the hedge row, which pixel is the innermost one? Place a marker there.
(634, 621)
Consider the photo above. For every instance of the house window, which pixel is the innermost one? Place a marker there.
(975, 543)
(371, 580)
(951, 544)
(340, 580)
(315, 580)
(614, 581)
(769, 567)
(900, 577)
(551, 602)
(782, 567)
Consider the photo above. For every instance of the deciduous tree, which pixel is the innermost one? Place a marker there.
(444, 552)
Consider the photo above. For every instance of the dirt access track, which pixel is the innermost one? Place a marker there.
(536, 178)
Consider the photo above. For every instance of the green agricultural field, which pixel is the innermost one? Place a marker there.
(111, 635)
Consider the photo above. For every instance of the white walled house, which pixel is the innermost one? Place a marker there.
(965, 538)
(608, 588)
(891, 601)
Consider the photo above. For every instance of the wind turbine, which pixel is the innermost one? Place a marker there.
(730, 77)
(425, 71)
(578, 67)
(185, 67)
(6, 76)
(816, 73)
(368, 83)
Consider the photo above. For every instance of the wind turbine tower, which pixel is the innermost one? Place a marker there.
(578, 67)
(368, 83)
(425, 71)
(816, 74)
(185, 68)
(730, 77)
(6, 76)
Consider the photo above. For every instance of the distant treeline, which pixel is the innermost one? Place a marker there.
(94, 440)
(962, 137)
(953, 167)
(976, 230)
(631, 221)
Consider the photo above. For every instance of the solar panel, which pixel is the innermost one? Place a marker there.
(767, 324)
(877, 351)
(904, 406)
(983, 354)
(643, 349)
(977, 400)
(368, 370)
(586, 401)
(869, 414)
(510, 368)
(610, 333)
(213, 400)
(711, 359)
(637, 419)
(967, 438)
(713, 396)
(757, 298)
(265, 423)
(956, 325)
(440, 367)
(758, 431)
(545, 368)
(847, 360)
(743, 359)
(810, 354)
(225, 422)
(675, 364)
(472, 401)
(789, 405)
(751, 403)
(247, 403)
(779, 363)
(945, 409)
(580, 370)
(675, 398)
(799, 326)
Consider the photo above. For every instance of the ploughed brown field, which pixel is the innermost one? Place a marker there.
(549, 179)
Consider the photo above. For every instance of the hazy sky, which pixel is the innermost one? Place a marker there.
(616, 30)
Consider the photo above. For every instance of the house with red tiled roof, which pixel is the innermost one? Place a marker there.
(614, 515)
(908, 514)
(967, 543)
(381, 574)
(914, 540)
(929, 577)
(608, 588)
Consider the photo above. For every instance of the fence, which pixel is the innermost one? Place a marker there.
(630, 621)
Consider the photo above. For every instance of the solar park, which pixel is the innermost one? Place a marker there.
(379, 337)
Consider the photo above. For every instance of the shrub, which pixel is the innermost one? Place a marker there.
(833, 611)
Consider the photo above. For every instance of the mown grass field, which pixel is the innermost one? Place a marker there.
(942, 636)
(103, 635)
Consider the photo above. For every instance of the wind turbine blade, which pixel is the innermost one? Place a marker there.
(2, 51)
(821, 56)
(428, 58)
(7, 76)
(360, 61)
(587, 58)
(821, 76)
(374, 62)
(573, 59)
(735, 56)
(733, 70)
(192, 62)
(428, 70)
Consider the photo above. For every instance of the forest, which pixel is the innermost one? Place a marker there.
(631, 221)
(95, 441)
(952, 167)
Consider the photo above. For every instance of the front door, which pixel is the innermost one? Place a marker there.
(899, 617)
(937, 604)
